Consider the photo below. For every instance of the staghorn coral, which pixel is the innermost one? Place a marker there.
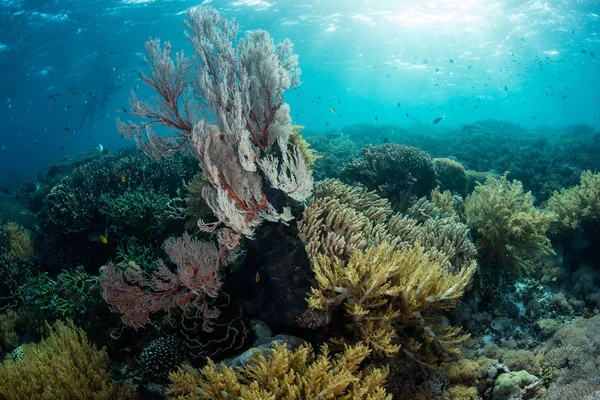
(19, 240)
(577, 205)
(391, 168)
(62, 366)
(285, 374)
(451, 175)
(384, 290)
(508, 227)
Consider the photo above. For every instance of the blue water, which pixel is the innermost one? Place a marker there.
(68, 67)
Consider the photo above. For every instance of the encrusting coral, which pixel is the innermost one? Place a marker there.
(508, 227)
(62, 366)
(285, 374)
(384, 290)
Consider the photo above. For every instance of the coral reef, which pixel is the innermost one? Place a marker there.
(64, 365)
(285, 375)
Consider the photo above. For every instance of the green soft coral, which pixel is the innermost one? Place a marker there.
(577, 205)
(510, 230)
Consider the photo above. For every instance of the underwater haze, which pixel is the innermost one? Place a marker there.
(386, 62)
(252, 200)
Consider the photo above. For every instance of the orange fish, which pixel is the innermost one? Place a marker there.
(257, 277)
(103, 239)
(122, 178)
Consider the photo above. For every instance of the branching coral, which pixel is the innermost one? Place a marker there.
(62, 366)
(384, 290)
(285, 374)
(509, 228)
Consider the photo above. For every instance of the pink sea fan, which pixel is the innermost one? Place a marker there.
(135, 294)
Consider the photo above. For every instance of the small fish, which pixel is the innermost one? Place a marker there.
(5, 191)
(437, 120)
(257, 277)
(124, 110)
(398, 105)
(386, 140)
(67, 129)
(505, 88)
(103, 239)
(407, 115)
(375, 118)
(122, 177)
(326, 123)
(333, 110)
(592, 54)
(90, 138)
(64, 146)
(583, 51)
(451, 61)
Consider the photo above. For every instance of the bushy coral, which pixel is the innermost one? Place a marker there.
(384, 291)
(509, 229)
(285, 374)
(577, 205)
(64, 365)
(391, 168)
(451, 175)
(19, 240)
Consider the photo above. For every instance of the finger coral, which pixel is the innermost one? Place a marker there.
(384, 290)
(62, 366)
(285, 374)
(509, 228)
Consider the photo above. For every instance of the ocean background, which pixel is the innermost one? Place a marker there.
(68, 67)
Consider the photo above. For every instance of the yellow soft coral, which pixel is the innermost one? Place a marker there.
(310, 155)
(508, 226)
(62, 366)
(383, 290)
(20, 242)
(577, 204)
(285, 374)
